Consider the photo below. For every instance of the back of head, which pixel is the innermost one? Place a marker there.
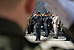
(14, 17)
(8, 4)
(16, 10)
(38, 12)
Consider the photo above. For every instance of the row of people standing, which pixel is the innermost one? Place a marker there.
(45, 20)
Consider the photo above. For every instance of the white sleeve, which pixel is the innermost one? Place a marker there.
(58, 21)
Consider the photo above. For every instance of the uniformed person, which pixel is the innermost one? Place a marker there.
(38, 26)
(46, 24)
(31, 25)
(50, 23)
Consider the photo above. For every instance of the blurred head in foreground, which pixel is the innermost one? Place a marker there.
(16, 11)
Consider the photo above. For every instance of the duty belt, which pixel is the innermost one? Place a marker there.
(37, 23)
(45, 23)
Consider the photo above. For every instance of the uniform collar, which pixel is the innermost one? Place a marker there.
(10, 28)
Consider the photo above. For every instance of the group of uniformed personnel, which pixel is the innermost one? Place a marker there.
(47, 21)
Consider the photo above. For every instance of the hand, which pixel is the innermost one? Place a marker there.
(48, 25)
(57, 26)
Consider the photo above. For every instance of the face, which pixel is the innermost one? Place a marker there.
(38, 15)
(46, 15)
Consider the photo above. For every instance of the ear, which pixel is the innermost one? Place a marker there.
(30, 6)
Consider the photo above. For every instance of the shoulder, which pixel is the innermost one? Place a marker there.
(57, 16)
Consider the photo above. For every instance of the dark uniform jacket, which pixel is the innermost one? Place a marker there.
(47, 20)
(37, 20)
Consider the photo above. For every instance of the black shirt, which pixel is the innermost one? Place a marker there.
(12, 37)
